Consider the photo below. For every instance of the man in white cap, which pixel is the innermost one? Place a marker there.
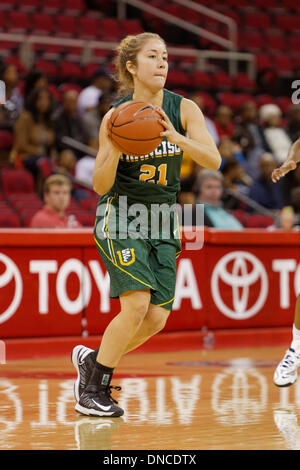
(275, 135)
(89, 96)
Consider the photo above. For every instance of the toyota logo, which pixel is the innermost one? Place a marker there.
(11, 273)
(240, 279)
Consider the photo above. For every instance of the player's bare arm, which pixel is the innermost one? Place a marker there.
(199, 144)
(290, 164)
(106, 161)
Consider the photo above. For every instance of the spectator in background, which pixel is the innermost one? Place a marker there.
(224, 122)
(33, 131)
(209, 189)
(88, 99)
(92, 118)
(262, 190)
(249, 135)
(230, 150)
(209, 123)
(85, 166)
(11, 109)
(275, 135)
(34, 79)
(57, 196)
(293, 125)
(68, 123)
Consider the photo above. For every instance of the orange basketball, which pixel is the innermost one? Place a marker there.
(135, 127)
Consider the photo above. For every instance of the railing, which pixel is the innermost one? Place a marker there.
(191, 28)
(27, 55)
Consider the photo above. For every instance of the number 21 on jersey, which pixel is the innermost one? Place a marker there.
(149, 174)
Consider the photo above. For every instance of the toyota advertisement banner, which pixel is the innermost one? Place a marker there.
(54, 283)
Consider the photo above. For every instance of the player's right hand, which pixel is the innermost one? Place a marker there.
(283, 170)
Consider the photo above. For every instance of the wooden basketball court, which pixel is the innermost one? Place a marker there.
(204, 399)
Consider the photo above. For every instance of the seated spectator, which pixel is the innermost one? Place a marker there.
(234, 176)
(85, 166)
(230, 150)
(293, 125)
(33, 131)
(262, 190)
(276, 136)
(209, 187)
(224, 122)
(209, 123)
(11, 109)
(248, 132)
(34, 79)
(101, 83)
(68, 123)
(286, 220)
(249, 135)
(92, 118)
(57, 196)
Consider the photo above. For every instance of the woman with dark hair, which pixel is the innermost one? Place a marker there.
(13, 105)
(34, 79)
(33, 131)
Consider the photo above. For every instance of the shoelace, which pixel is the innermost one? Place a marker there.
(286, 361)
(109, 391)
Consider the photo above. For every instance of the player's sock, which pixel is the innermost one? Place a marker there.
(296, 339)
(94, 354)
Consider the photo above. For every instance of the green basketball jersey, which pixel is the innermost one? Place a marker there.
(154, 177)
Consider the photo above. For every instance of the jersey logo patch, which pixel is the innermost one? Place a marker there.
(126, 256)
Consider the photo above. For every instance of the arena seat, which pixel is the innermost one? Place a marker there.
(30, 5)
(9, 219)
(19, 22)
(256, 20)
(243, 82)
(258, 221)
(16, 181)
(74, 7)
(43, 23)
(6, 139)
(89, 27)
(66, 26)
(275, 42)
(201, 79)
(52, 6)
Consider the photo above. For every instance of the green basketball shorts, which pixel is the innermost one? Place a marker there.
(134, 259)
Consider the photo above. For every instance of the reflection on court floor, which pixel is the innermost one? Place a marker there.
(195, 400)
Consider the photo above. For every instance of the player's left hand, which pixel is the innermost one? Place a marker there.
(170, 132)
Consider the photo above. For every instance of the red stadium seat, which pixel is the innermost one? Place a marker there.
(26, 217)
(89, 27)
(209, 104)
(251, 41)
(89, 204)
(222, 80)
(53, 6)
(263, 61)
(49, 68)
(69, 70)
(30, 5)
(178, 78)
(283, 64)
(66, 26)
(243, 82)
(87, 220)
(291, 5)
(8, 4)
(9, 219)
(294, 44)
(74, 7)
(276, 42)
(259, 221)
(201, 79)
(265, 99)
(284, 103)
(131, 27)
(288, 22)
(257, 20)
(228, 98)
(19, 22)
(16, 181)
(43, 23)
(111, 29)
(6, 139)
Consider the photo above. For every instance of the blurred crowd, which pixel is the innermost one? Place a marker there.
(252, 142)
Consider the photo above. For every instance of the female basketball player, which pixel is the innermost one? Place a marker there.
(286, 371)
(143, 270)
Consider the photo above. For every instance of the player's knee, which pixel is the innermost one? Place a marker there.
(158, 320)
(136, 307)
